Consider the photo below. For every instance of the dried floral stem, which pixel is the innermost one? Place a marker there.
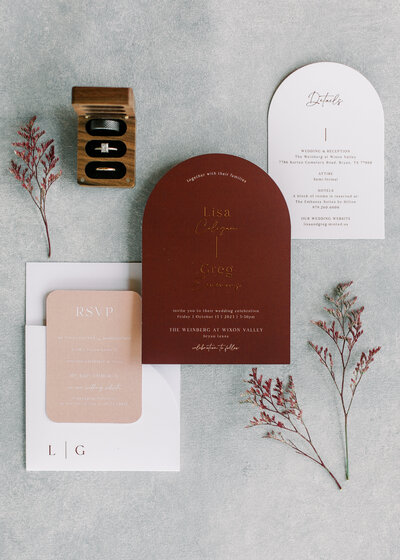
(344, 337)
(33, 154)
(278, 407)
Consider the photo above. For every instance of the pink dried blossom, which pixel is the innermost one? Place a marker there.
(278, 407)
(344, 331)
(36, 179)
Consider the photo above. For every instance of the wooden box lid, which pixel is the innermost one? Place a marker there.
(94, 101)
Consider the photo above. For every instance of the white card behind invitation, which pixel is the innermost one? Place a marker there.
(326, 152)
(150, 444)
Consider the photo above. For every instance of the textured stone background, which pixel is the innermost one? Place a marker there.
(203, 73)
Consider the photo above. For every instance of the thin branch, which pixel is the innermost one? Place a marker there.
(350, 324)
(281, 402)
(32, 157)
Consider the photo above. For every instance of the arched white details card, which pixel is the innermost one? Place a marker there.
(326, 152)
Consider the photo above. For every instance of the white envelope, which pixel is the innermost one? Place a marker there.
(150, 444)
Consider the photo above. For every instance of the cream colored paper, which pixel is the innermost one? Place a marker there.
(326, 152)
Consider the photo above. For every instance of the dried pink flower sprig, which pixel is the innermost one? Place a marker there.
(344, 330)
(278, 407)
(38, 175)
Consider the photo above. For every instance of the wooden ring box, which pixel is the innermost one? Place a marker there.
(106, 156)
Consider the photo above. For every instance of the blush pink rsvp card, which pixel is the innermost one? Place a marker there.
(94, 371)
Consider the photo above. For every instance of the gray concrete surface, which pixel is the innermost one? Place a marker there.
(203, 73)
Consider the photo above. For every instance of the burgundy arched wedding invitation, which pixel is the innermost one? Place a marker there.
(216, 266)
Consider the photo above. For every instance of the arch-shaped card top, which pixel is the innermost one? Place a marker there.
(216, 266)
(326, 152)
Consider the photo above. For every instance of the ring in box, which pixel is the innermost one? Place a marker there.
(106, 136)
